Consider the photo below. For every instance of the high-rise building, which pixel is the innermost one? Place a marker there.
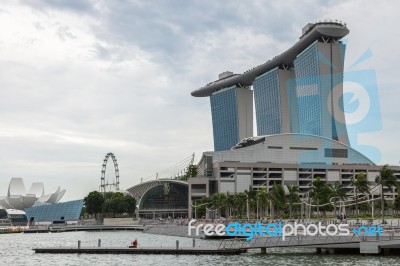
(319, 86)
(299, 91)
(232, 116)
(275, 102)
(302, 134)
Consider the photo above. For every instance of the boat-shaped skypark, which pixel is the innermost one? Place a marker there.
(298, 91)
(311, 33)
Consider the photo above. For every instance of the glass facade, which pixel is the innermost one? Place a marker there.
(70, 210)
(300, 98)
(292, 105)
(308, 89)
(319, 77)
(224, 111)
(267, 103)
(165, 196)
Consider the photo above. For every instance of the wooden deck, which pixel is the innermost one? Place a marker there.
(140, 250)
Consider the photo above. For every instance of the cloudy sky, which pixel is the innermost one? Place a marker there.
(82, 78)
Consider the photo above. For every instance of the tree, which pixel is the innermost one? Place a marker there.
(130, 203)
(262, 198)
(251, 199)
(200, 206)
(113, 203)
(83, 211)
(360, 184)
(293, 197)
(336, 191)
(230, 203)
(278, 197)
(190, 172)
(118, 203)
(386, 178)
(319, 192)
(109, 202)
(241, 201)
(94, 202)
(218, 201)
(396, 205)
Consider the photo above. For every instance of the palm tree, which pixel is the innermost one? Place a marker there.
(241, 200)
(200, 206)
(293, 196)
(319, 191)
(336, 191)
(262, 197)
(230, 203)
(278, 197)
(251, 198)
(218, 201)
(386, 178)
(396, 204)
(360, 184)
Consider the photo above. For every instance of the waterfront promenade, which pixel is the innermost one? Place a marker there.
(76, 228)
(179, 227)
(388, 243)
(355, 244)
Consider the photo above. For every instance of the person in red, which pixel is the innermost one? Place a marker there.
(135, 243)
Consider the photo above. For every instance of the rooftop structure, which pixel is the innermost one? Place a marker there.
(311, 33)
(161, 198)
(18, 198)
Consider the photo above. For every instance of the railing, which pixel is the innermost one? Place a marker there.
(300, 241)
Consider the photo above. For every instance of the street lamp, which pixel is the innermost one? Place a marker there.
(372, 206)
(247, 207)
(213, 212)
(195, 206)
(257, 208)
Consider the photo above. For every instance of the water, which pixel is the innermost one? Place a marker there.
(16, 249)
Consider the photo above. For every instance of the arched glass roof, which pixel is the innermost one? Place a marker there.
(168, 195)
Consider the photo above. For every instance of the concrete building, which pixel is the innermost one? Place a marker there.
(296, 159)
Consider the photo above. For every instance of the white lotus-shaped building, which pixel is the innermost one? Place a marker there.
(18, 198)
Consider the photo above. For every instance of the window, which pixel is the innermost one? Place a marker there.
(336, 153)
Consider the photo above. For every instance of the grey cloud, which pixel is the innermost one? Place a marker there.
(167, 29)
(64, 32)
(170, 31)
(81, 6)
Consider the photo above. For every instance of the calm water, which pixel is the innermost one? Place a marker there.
(16, 249)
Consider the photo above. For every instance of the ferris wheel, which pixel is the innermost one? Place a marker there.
(106, 186)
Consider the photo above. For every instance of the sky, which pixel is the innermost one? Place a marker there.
(81, 78)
